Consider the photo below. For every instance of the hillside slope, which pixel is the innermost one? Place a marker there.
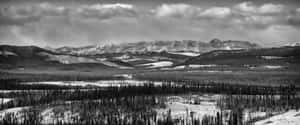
(265, 56)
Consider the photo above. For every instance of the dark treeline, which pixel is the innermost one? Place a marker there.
(28, 98)
(139, 110)
(134, 105)
(134, 110)
(222, 88)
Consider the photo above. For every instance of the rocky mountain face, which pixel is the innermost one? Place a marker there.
(159, 46)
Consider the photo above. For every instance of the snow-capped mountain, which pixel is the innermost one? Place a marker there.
(159, 46)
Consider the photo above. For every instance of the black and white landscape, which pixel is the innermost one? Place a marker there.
(158, 62)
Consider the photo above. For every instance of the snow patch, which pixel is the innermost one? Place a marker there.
(102, 83)
(48, 116)
(66, 59)
(272, 57)
(272, 67)
(186, 53)
(126, 76)
(158, 64)
(5, 100)
(194, 66)
(181, 107)
(111, 64)
(212, 71)
(8, 53)
(201, 66)
(291, 117)
(123, 57)
(15, 110)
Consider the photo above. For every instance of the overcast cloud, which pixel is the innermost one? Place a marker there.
(56, 24)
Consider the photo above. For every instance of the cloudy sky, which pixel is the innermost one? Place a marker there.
(58, 23)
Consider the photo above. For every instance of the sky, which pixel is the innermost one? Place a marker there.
(57, 23)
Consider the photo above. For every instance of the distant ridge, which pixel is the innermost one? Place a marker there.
(159, 46)
(281, 56)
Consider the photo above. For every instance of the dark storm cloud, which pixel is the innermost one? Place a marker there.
(19, 15)
(294, 18)
(56, 24)
(243, 14)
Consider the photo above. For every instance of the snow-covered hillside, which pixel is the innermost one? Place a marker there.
(291, 117)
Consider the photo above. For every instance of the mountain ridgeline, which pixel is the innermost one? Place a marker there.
(263, 56)
(159, 46)
(158, 54)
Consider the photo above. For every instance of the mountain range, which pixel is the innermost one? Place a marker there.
(152, 55)
(159, 46)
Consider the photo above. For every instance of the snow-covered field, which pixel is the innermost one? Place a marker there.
(101, 83)
(191, 66)
(7, 53)
(111, 64)
(158, 64)
(266, 67)
(272, 67)
(181, 107)
(16, 110)
(66, 59)
(5, 100)
(48, 116)
(291, 117)
(212, 71)
(272, 57)
(186, 53)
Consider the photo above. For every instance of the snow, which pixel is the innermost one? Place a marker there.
(212, 71)
(48, 116)
(181, 107)
(179, 67)
(294, 44)
(228, 48)
(272, 57)
(123, 57)
(272, 67)
(186, 53)
(158, 64)
(265, 67)
(194, 66)
(126, 76)
(7, 53)
(5, 100)
(111, 64)
(202, 66)
(102, 83)
(66, 59)
(131, 60)
(15, 110)
(291, 117)
(248, 115)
